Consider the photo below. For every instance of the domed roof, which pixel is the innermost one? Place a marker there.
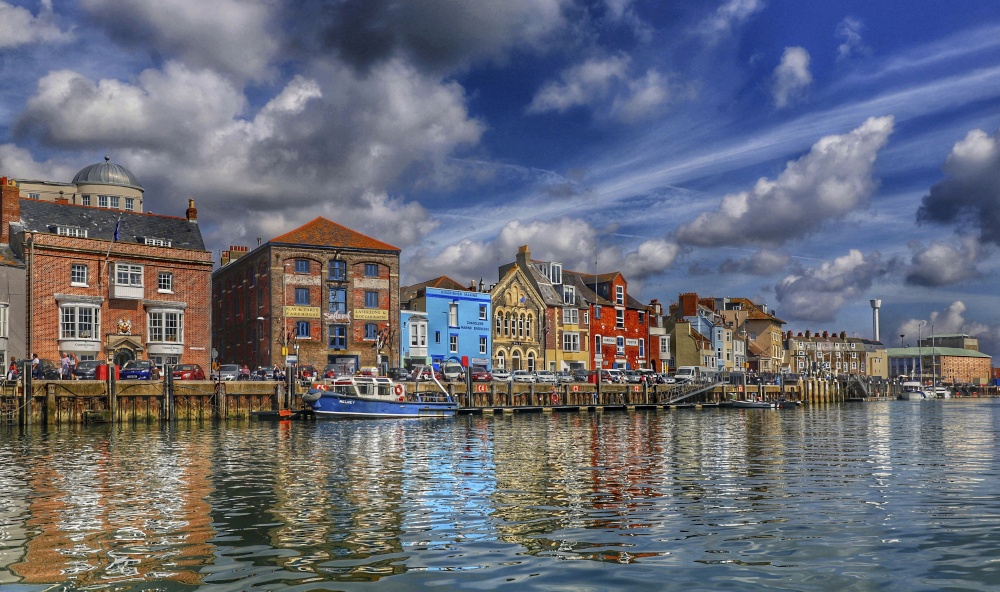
(107, 173)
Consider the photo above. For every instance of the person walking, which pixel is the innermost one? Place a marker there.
(64, 363)
(73, 361)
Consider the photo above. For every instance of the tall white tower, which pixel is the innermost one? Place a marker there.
(875, 306)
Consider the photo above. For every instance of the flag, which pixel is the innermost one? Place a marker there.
(118, 228)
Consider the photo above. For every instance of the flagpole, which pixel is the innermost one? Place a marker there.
(114, 239)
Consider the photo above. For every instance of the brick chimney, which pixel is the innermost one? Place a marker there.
(192, 213)
(689, 304)
(523, 256)
(10, 207)
(233, 254)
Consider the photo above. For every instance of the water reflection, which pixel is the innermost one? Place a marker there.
(864, 496)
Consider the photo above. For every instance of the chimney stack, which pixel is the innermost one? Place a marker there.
(192, 213)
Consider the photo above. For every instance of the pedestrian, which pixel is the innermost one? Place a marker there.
(73, 361)
(64, 363)
(36, 366)
(12, 370)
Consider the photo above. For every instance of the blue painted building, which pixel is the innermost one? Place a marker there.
(457, 322)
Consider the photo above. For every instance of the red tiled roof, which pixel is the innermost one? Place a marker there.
(444, 282)
(324, 233)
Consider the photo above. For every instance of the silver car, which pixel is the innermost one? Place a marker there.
(546, 377)
(229, 371)
(522, 376)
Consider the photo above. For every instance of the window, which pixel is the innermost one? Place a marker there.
(437, 337)
(78, 321)
(527, 327)
(569, 295)
(78, 274)
(102, 201)
(453, 343)
(621, 346)
(371, 269)
(483, 313)
(555, 273)
(571, 316)
(371, 331)
(664, 346)
(586, 317)
(4, 317)
(337, 270)
(642, 317)
(597, 312)
(34, 196)
(499, 325)
(128, 275)
(156, 242)
(453, 314)
(338, 336)
(620, 295)
(115, 202)
(302, 296)
(85, 200)
(598, 342)
(571, 342)
(165, 281)
(371, 299)
(166, 326)
(130, 204)
(302, 330)
(620, 318)
(301, 266)
(338, 300)
(71, 231)
(418, 334)
(642, 347)
(483, 345)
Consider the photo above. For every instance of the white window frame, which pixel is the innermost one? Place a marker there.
(165, 325)
(453, 343)
(569, 295)
(571, 316)
(452, 314)
(133, 285)
(156, 242)
(619, 318)
(78, 275)
(4, 321)
(664, 345)
(483, 344)
(129, 204)
(73, 231)
(620, 295)
(483, 312)
(71, 326)
(571, 341)
(165, 282)
(102, 201)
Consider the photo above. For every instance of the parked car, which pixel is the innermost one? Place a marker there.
(228, 372)
(522, 376)
(582, 375)
(480, 374)
(188, 372)
(666, 379)
(546, 377)
(453, 372)
(426, 373)
(399, 374)
(612, 375)
(87, 369)
(45, 370)
(501, 375)
(632, 376)
(137, 370)
(564, 377)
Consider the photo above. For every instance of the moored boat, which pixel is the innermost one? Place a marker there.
(375, 396)
(912, 391)
(747, 404)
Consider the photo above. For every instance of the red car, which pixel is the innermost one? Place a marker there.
(188, 372)
(480, 374)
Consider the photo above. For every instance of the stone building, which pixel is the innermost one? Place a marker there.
(320, 294)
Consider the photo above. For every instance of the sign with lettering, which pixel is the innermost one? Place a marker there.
(482, 388)
(632, 342)
(609, 340)
(338, 317)
(302, 312)
(371, 314)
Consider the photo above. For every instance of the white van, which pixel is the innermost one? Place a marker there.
(694, 374)
(453, 372)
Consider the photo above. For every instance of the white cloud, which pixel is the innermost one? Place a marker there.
(950, 320)
(644, 96)
(20, 27)
(649, 258)
(233, 37)
(582, 84)
(831, 181)
(940, 263)
(792, 77)
(969, 196)
(729, 16)
(818, 293)
(849, 30)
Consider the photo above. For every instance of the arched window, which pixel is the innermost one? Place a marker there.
(501, 361)
(499, 323)
(531, 361)
(520, 326)
(527, 327)
(515, 360)
(506, 325)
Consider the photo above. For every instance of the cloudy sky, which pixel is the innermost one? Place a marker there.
(808, 155)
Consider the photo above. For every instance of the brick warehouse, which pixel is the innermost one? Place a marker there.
(138, 295)
(322, 292)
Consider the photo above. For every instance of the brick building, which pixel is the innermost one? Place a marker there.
(104, 280)
(322, 292)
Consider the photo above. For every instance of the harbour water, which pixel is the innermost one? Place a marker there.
(859, 496)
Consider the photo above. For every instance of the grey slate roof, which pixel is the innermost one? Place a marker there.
(45, 216)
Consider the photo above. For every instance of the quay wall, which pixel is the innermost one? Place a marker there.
(88, 401)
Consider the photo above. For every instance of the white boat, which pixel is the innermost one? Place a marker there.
(375, 396)
(745, 404)
(942, 392)
(913, 391)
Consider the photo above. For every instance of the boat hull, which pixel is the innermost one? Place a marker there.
(333, 405)
(753, 405)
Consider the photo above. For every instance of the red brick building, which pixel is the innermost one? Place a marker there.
(322, 292)
(104, 282)
(619, 323)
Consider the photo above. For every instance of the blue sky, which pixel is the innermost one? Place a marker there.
(807, 155)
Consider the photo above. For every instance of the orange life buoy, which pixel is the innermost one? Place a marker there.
(399, 389)
(400, 398)
(555, 398)
(321, 387)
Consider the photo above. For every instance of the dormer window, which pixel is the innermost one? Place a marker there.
(71, 231)
(151, 241)
(555, 273)
(569, 295)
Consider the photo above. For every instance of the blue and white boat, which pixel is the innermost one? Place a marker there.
(375, 396)
(913, 391)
